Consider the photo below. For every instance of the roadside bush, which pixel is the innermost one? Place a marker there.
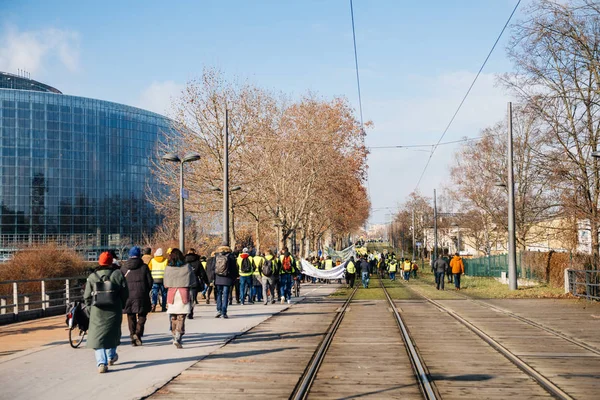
(49, 261)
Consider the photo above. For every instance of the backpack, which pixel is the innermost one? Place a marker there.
(105, 293)
(267, 268)
(246, 267)
(287, 264)
(221, 264)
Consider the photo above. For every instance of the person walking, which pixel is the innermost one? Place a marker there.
(415, 268)
(350, 273)
(381, 266)
(458, 268)
(268, 268)
(105, 295)
(449, 273)
(210, 273)
(286, 273)
(406, 268)
(194, 261)
(246, 270)
(257, 289)
(157, 267)
(440, 265)
(393, 268)
(226, 273)
(179, 280)
(364, 272)
(139, 282)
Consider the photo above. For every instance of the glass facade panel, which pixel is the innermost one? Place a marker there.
(74, 168)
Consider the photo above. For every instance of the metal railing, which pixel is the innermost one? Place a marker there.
(584, 283)
(23, 300)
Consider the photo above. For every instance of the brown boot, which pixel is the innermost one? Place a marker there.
(153, 309)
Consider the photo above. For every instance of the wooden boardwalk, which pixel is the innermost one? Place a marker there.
(264, 363)
(367, 358)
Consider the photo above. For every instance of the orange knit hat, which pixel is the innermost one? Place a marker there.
(105, 259)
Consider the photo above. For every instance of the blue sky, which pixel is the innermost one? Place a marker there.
(416, 61)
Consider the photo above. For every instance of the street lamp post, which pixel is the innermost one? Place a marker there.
(512, 249)
(190, 157)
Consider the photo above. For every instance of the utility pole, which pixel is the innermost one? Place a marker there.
(435, 235)
(512, 250)
(226, 180)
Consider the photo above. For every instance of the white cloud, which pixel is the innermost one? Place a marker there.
(34, 51)
(158, 96)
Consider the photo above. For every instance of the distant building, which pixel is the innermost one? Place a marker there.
(74, 170)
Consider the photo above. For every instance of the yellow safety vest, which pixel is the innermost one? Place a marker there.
(393, 266)
(407, 266)
(351, 268)
(258, 263)
(328, 264)
(157, 267)
(239, 264)
(203, 264)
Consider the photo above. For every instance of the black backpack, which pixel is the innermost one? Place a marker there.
(267, 268)
(246, 266)
(221, 264)
(105, 293)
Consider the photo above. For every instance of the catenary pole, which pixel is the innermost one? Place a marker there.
(226, 180)
(413, 232)
(512, 250)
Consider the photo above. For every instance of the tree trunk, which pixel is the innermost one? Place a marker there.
(594, 232)
(257, 236)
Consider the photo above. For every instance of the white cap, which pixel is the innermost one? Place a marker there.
(245, 250)
(159, 252)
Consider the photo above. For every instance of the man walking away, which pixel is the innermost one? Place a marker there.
(246, 269)
(458, 268)
(439, 267)
(449, 273)
(226, 272)
(364, 272)
(210, 274)
(392, 268)
(406, 268)
(139, 282)
(350, 273)
(257, 294)
(415, 268)
(286, 272)
(193, 260)
(268, 268)
(157, 267)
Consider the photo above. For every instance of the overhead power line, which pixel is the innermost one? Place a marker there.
(356, 64)
(467, 94)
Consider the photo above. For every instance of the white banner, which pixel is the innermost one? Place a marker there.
(338, 272)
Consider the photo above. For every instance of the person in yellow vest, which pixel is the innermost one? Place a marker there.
(246, 269)
(257, 294)
(393, 268)
(157, 268)
(327, 265)
(287, 270)
(350, 273)
(406, 268)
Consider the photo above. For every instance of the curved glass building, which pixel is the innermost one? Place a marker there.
(74, 170)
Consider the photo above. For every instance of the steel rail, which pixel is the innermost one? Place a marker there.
(310, 373)
(427, 388)
(547, 384)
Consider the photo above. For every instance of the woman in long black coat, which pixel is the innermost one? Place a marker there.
(139, 280)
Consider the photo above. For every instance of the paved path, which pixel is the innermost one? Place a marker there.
(56, 371)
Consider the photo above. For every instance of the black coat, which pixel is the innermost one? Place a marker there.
(232, 271)
(210, 269)
(139, 281)
(194, 261)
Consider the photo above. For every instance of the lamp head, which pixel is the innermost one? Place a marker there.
(189, 157)
(235, 188)
(171, 157)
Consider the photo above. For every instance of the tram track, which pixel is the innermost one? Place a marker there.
(542, 380)
(421, 374)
